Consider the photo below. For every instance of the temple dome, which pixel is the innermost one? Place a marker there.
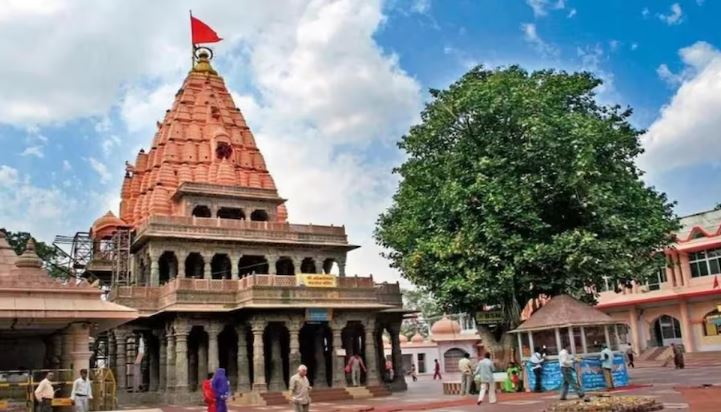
(29, 259)
(446, 326)
(403, 338)
(105, 225)
(417, 338)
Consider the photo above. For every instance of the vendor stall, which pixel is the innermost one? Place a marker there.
(565, 321)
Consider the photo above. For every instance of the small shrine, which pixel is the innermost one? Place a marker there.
(564, 321)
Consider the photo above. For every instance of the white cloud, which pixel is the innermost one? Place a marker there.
(421, 6)
(100, 168)
(613, 45)
(634, 46)
(530, 34)
(645, 12)
(668, 76)
(673, 18)
(36, 151)
(686, 132)
(572, 13)
(541, 7)
(26, 207)
(325, 95)
(66, 165)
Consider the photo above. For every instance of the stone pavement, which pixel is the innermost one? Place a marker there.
(678, 389)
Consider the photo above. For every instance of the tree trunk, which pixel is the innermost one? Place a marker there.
(503, 350)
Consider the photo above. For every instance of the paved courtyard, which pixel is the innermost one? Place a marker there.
(677, 389)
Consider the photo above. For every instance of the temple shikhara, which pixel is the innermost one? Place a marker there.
(203, 250)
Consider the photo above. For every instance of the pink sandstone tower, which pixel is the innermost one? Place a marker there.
(203, 250)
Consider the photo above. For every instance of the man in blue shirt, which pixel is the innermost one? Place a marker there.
(607, 366)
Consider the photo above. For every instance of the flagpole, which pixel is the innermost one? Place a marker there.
(192, 46)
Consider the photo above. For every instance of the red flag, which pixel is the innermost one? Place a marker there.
(202, 33)
(715, 282)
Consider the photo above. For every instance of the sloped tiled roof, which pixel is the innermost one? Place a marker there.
(564, 311)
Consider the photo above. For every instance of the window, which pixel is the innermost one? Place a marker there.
(712, 323)
(259, 215)
(705, 262)
(201, 211)
(421, 363)
(231, 213)
(655, 282)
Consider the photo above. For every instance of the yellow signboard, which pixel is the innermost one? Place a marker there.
(62, 402)
(317, 280)
(3, 404)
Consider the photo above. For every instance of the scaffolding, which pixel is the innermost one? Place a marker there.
(73, 254)
(121, 258)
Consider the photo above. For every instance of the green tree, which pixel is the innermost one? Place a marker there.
(518, 184)
(427, 307)
(48, 254)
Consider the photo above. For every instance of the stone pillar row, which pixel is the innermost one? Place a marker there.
(169, 367)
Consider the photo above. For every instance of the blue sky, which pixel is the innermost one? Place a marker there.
(328, 88)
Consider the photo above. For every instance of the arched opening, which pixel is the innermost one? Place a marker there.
(197, 357)
(168, 265)
(231, 213)
(259, 215)
(666, 330)
(228, 353)
(201, 211)
(220, 266)
(194, 266)
(276, 343)
(250, 264)
(308, 266)
(712, 323)
(451, 358)
(330, 266)
(284, 266)
(315, 353)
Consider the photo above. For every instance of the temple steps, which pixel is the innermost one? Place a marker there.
(703, 358)
(379, 390)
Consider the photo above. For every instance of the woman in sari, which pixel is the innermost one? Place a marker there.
(208, 394)
(221, 389)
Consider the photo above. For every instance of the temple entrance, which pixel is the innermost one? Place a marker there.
(228, 354)
(451, 358)
(277, 347)
(666, 330)
(315, 353)
(353, 337)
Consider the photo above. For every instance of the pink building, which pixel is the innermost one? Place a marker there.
(681, 305)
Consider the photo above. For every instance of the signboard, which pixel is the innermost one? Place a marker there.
(318, 314)
(62, 402)
(591, 374)
(317, 280)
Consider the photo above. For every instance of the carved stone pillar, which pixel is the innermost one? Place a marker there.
(339, 380)
(399, 382)
(170, 360)
(207, 268)
(163, 361)
(213, 359)
(80, 353)
(181, 356)
(341, 266)
(272, 260)
(181, 263)
(370, 353)
(154, 269)
(294, 346)
(259, 385)
(297, 263)
(321, 378)
(234, 273)
(276, 381)
(66, 360)
(121, 365)
(154, 364)
(243, 361)
(56, 359)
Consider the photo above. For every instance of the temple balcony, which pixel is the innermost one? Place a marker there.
(256, 292)
(191, 227)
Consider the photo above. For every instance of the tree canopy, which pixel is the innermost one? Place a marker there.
(426, 305)
(518, 184)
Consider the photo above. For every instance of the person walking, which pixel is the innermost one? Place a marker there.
(565, 359)
(484, 375)
(464, 365)
(208, 394)
(537, 360)
(413, 372)
(437, 370)
(81, 392)
(45, 393)
(355, 365)
(630, 355)
(607, 366)
(221, 390)
(300, 390)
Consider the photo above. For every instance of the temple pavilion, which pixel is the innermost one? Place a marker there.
(204, 251)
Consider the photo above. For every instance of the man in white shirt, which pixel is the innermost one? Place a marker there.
(82, 392)
(565, 360)
(300, 390)
(607, 366)
(537, 360)
(464, 365)
(45, 393)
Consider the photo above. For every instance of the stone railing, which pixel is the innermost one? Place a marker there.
(230, 229)
(257, 290)
(230, 191)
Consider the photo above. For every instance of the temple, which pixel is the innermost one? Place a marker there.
(203, 250)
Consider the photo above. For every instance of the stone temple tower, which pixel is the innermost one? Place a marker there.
(203, 250)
